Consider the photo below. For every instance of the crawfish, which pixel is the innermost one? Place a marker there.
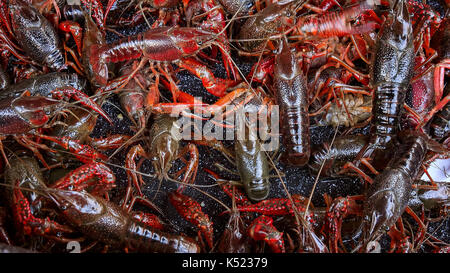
(391, 73)
(292, 98)
(249, 152)
(108, 223)
(266, 23)
(281, 14)
(36, 35)
(133, 98)
(191, 210)
(55, 84)
(390, 192)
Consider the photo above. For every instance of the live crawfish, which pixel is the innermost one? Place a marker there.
(94, 216)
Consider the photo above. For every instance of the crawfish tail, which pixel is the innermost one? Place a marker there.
(73, 13)
(296, 133)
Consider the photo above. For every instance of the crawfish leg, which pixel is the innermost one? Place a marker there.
(351, 166)
(439, 78)
(75, 30)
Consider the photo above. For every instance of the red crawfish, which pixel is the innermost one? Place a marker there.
(292, 97)
(333, 158)
(262, 228)
(278, 206)
(340, 208)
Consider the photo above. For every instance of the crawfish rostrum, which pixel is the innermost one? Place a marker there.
(354, 97)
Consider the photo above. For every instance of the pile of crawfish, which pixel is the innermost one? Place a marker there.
(88, 92)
